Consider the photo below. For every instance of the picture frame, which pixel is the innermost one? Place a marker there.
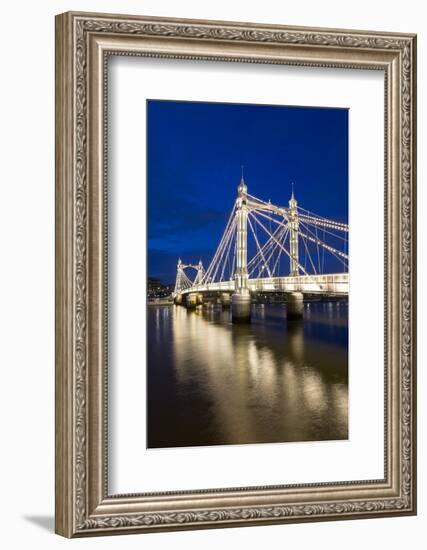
(84, 41)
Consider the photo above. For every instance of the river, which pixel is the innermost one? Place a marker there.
(210, 382)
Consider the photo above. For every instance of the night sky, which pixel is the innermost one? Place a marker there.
(195, 153)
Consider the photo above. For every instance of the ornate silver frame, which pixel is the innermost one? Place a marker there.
(83, 505)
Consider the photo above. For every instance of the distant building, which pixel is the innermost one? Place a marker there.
(156, 289)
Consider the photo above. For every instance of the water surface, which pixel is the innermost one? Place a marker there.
(210, 382)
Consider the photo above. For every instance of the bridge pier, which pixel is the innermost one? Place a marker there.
(241, 307)
(178, 299)
(199, 299)
(294, 305)
(191, 301)
(225, 300)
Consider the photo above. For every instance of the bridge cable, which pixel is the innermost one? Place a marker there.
(268, 247)
(284, 249)
(208, 272)
(327, 247)
(309, 255)
(339, 255)
(221, 254)
(318, 251)
(281, 235)
(259, 248)
(228, 246)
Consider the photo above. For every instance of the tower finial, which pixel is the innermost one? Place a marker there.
(243, 188)
(292, 201)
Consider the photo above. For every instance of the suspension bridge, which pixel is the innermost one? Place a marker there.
(291, 251)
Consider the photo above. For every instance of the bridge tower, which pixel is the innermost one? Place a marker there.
(293, 235)
(294, 300)
(200, 273)
(241, 299)
(179, 275)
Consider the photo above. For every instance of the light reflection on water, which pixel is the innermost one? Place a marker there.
(214, 383)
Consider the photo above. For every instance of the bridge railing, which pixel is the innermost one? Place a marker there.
(308, 284)
(336, 284)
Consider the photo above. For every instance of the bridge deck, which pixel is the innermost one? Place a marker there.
(336, 283)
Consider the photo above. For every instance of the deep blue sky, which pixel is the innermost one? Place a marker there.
(195, 153)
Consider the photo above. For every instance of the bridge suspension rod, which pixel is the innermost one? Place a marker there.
(309, 255)
(231, 221)
(258, 246)
(268, 233)
(281, 238)
(268, 244)
(324, 230)
(260, 204)
(316, 221)
(269, 248)
(222, 259)
(312, 239)
(319, 220)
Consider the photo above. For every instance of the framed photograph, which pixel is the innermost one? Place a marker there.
(235, 274)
